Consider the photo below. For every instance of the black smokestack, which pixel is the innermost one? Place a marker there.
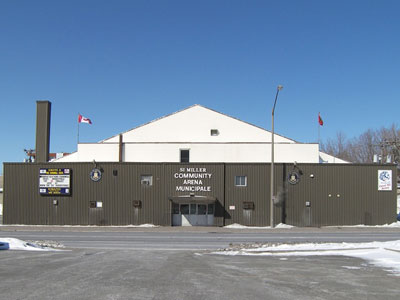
(43, 113)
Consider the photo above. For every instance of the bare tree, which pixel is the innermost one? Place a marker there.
(384, 142)
(390, 142)
(338, 147)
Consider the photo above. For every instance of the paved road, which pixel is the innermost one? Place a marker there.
(191, 239)
(110, 263)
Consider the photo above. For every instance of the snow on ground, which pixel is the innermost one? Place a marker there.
(117, 226)
(238, 226)
(382, 254)
(393, 225)
(114, 226)
(286, 226)
(16, 244)
(398, 203)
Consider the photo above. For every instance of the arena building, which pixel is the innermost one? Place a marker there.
(198, 134)
(196, 167)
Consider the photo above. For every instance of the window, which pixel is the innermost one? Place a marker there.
(184, 156)
(184, 209)
(146, 180)
(214, 132)
(192, 209)
(210, 209)
(241, 180)
(201, 209)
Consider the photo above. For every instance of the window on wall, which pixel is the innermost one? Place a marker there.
(214, 132)
(241, 180)
(192, 209)
(184, 155)
(184, 209)
(210, 209)
(146, 180)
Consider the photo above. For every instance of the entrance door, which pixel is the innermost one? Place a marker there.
(192, 214)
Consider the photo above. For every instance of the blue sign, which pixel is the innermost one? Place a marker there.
(95, 175)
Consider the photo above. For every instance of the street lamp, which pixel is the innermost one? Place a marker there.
(272, 160)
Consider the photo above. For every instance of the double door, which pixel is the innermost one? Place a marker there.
(192, 214)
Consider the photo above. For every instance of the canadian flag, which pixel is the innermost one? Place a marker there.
(82, 119)
(320, 121)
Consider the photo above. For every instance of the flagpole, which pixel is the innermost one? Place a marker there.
(319, 125)
(78, 135)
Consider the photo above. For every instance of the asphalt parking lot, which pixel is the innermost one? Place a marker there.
(183, 273)
(127, 274)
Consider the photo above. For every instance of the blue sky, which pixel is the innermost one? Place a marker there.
(124, 63)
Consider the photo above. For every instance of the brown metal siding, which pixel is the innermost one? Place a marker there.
(216, 183)
(116, 192)
(340, 195)
(359, 201)
(255, 191)
(27, 206)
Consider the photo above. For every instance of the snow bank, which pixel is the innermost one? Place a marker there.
(113, 226)
(286, 226)
(86, 226)
(382, 254)
(16, 244)
(398, 203)
(281, 225)
(392, 225)
(238, 226)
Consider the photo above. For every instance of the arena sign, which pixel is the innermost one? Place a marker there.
(193, 180)
(54, 181)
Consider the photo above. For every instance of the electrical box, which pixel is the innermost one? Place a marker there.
(137, 203)
(248, 205)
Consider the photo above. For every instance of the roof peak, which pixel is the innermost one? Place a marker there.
(187, 108)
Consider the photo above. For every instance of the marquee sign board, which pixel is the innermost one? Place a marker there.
(55, 181)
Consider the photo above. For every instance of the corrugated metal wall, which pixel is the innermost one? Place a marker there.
(336, 194)
(116, 191)
(216, 184)
(257, 191)
(340, 195)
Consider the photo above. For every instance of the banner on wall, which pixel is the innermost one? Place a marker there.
(385, 180)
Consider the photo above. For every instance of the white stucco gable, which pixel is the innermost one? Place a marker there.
(190, 129)
(194, 124)
(329, 159)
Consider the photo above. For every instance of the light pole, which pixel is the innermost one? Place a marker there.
(272, 161)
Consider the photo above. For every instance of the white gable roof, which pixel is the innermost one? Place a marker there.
(327, 158)
(194, 124)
